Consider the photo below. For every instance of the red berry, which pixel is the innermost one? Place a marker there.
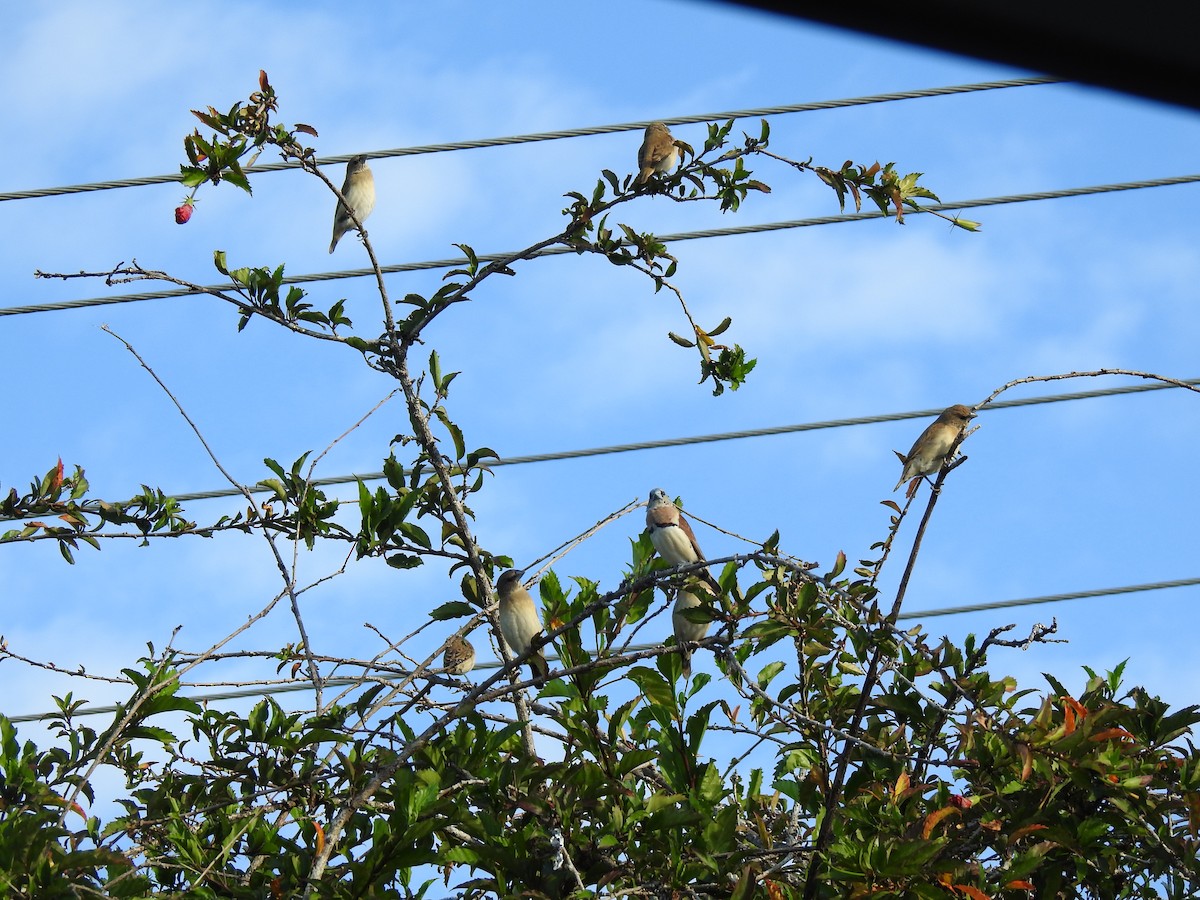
(183, 213)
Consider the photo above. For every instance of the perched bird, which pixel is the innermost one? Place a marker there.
(359, 191)
(688, 597)
(659, 152)
(519, 622)
(671, 534)
(459, 658)
(929, 452)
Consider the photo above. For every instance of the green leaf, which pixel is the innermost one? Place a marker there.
(404, 561)
(454, 609)
(769, 672)
(659, 801)
(275, 485)
(235, 176)
(653, 685)
(722, 327)
(681, 341)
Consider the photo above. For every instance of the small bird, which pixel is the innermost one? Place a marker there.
(686, 630)
(519, 622)
(359, 191)
(659, 152)
(671, 534)
(928, 454)
(459, 658)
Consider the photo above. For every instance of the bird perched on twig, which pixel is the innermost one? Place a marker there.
(459, 658)
(519, 621)
(359, 191)
(659, 152)
(689, 597)
(928, 454)
(672, 536)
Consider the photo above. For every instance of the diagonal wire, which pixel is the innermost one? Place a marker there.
(915, 614)
(665, 238)
(554, 135)
(725, 436)
(1049, 598)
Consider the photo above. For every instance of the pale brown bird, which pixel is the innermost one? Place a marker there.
(459, 658)
(928, 454)
(519, 621)
(689, 597)
(672, 535)
(659, 152)
(359, 191)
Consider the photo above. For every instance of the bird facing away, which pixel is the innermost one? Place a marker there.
(671, 534)
(459, 658)
(688, 597)
(659, 152)
(929, 452)
(519, 621)
(359, 191)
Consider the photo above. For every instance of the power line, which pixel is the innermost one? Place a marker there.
(918, 614)
(554, 135)
(665, 238)
(1049, 598)
(722, 436)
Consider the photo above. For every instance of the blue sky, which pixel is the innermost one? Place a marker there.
(845, 320)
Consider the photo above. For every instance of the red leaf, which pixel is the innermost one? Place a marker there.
(1110, 733)
(1080, 710)
(972, 892)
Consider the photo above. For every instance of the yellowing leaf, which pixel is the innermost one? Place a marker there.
(1192, 800)
(1024, 830)
(1026, 755)
(932, 820)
